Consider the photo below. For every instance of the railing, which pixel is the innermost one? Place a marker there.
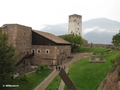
(24, 57)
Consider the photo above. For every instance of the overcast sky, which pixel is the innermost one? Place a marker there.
(35, 13)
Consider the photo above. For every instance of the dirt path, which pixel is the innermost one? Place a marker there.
(45, 83)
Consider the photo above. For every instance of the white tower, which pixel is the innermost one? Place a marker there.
(75, 24)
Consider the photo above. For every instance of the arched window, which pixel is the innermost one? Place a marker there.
(47, 51)
(38, 51)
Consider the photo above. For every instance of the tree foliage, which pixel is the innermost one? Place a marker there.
(7, 57)
(75, 40)
(116, 39)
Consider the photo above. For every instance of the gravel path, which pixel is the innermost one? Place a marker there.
(76, 57)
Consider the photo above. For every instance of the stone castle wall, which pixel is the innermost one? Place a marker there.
(21, 37)
(50, 54)
(24, 40)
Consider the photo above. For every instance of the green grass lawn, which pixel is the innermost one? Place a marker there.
(54, 84)
(33, 80)
(88, 76)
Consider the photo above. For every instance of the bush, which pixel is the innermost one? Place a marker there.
(115, 62)
(40, 68)
(24, 78)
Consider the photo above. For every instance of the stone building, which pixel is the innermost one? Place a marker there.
(75, 24)
(34, 47)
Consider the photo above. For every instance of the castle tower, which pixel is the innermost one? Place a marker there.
(20, 36)
(75, 24)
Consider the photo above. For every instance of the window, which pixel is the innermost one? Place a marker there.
(78, 23)
(24, 43)
(38, 51)
(47, 51)
(78, 28)
(24, 33)
(71, 31)
(57, 51)
(33, 51)
(61, 50)
(74, 20)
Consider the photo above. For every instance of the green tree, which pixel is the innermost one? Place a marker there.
(7, 57)
(75, 40)
(116, 40)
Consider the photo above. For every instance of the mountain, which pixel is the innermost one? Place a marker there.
(98, 30)
(58, 29)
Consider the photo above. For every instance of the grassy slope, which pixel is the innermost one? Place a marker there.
(54, 84)
(86, 75)
(33, 80)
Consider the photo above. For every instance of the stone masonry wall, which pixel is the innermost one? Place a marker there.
(44, 54)
(10, 30)
(24, 40)
(64, 52)
(55, 55)
(20, 36)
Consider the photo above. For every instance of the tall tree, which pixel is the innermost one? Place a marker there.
(75, 40)
(116, 40)
(7, 57)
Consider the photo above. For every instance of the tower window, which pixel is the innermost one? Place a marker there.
(57, 51)
(61, 50)
(78, 28)
(78, 23)
(74, 20)
(24, 33)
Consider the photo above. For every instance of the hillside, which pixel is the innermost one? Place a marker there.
(98, 30)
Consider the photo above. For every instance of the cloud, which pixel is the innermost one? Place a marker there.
(89, 30)
(97, 29)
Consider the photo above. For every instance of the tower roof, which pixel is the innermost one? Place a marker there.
(75, 15)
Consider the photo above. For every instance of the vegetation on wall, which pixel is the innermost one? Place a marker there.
(7, 57)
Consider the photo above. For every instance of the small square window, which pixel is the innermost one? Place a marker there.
(24, 33)
(61, 50)
(74, 20)
(57, 51)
